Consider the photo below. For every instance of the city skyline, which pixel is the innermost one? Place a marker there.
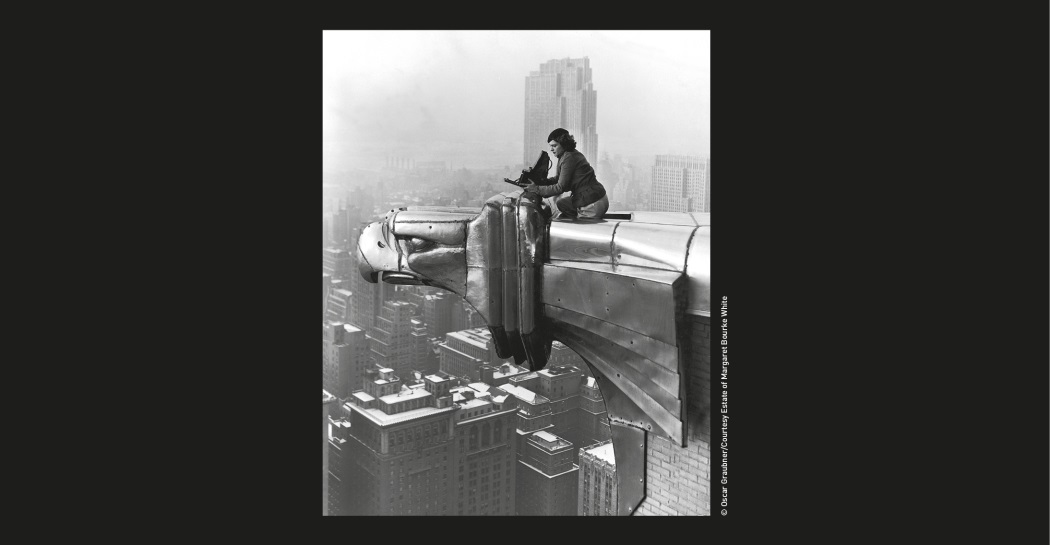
(459, 95)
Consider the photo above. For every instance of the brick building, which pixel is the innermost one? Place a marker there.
(344, 358)
(547, 477)
(464, 352)
(326, 400)
(400, 448)
(593, 423)
(597, 481)
(678, 480)
(485, 457)
(395, 342)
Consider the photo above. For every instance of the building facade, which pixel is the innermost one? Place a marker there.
(326, 400)
(547, 477)
(561, 94)
(463, 353)
(680, 184)
(594, 419)
(485, 455)
(395, 342)
(399, 448)
(597, 483)
(561, 385)
(336, 262)
(344, 358)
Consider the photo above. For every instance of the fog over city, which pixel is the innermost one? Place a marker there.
(458, 96)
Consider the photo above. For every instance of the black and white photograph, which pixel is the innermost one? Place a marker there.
(517, 312)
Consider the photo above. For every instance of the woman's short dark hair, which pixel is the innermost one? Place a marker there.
(562, 137)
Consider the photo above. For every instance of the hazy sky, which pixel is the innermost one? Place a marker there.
(460, 95)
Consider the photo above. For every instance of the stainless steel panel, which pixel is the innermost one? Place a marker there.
(446, 267)
(629, 447)
(613, 298)
(442, 232)
(698, 271)
(634, 369)
(509, 255)
(654, 415)
(581, 241)
(660, 353)
(659, 246)
(417, 216)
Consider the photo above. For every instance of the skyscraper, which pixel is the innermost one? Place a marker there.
(597, 483)
(547, 476)
(338, 305)
(594, 420)
(325, 401)
(680, 184)
(561, 385)
(400, 447)
(485, 460)
(336, 262)
(344, 358)
(561, 94)
(464, 352)
(395, 341)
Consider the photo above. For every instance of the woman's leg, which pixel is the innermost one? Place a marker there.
(596, 209)
(564, 204)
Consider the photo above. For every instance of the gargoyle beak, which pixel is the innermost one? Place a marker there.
(402, 279)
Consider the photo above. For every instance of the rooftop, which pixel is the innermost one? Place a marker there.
(603, 452)
(550, 442)
(382, 419)
(508, 370)
(524, 394)
(479, 336)
(405, 395)
(363, 396)
(557, 370)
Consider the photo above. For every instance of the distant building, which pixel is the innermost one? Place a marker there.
(465, 317)
(561, 94)
(339, 464)
(395, 342)
(338, 306)
(464, 352)
(367, 301)
(593, 418)
(400, 447)
(597, 481)
(547, 477)
(326, 284)
(680, 184)
(499, 375)
(485, 456)
(437, 313)
(426, 359)
(336, 262)
(344, 358)
(534, 414)
(561, 384)
(326, 400)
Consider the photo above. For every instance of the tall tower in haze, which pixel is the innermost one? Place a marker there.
(561, 94)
